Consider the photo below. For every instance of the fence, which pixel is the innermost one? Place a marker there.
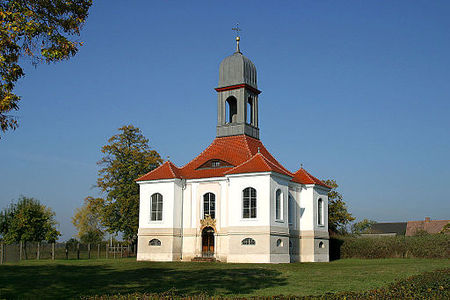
(42, 250)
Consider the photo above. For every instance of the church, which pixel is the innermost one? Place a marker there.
(234, 202)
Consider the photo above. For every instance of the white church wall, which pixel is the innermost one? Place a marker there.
(307, 208)
(167, 230)
(171, 192)
(237, 183)
(279, 183)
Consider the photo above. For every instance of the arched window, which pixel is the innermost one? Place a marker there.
(249, 203)
(320, 211)
(278, 205)
(156, 207)
(231, 110)
(209, 205)
(248, 241)
(154, 242)
(291, 210)
(321, 245)
(249, 116)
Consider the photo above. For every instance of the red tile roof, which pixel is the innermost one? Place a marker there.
(235, 150)
(258, 163)
(303, 177)
(165, 171)
(245, 155)
(430, 226)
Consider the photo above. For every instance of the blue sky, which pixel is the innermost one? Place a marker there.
(355, 90)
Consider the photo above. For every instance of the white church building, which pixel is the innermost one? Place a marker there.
(234, 202)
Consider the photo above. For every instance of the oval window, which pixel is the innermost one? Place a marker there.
(248, 241)
(279, 243)
(154, 242)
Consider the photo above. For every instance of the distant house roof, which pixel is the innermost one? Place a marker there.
(399, 228)
(427, 225)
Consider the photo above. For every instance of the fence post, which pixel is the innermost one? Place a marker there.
(38, 255)
(78, 251)
(89, 250)
(20, 250)
(1, 253)
(67, 252)
(53, 251)
(98, 251)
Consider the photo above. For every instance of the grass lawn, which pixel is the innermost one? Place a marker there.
(72, 278)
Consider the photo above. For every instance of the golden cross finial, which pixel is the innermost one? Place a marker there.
(237, 29)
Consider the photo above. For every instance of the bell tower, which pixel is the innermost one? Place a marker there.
(237, 103)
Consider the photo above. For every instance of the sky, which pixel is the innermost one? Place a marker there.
(357, 91)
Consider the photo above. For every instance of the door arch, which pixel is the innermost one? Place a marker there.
(208, 242)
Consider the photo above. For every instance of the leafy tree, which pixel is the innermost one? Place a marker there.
(127, 156)
(338, 215)
(362, 226)
(87, 220)
(42, 30)
(28, 220)
(446, 228)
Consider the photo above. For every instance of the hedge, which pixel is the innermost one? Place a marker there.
(429, 285)
(425, 246)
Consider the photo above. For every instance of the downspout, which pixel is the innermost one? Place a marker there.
(183, 187)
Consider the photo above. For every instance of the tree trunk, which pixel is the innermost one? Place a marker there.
(89, 250)
(20, 250)
(53, 251)
(38, 254)
(1, 253)
(25, 250)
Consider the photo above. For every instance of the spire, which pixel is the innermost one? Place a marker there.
(237, 29)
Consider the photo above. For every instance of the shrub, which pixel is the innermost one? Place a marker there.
(424, 246)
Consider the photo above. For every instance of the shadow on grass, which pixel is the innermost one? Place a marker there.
(69, 281)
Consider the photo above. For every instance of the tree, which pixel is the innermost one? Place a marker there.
(87, 220)
(338, 215)
(446, 228)
(362, 226)
(28, 220)
(127, 156)
(42, 30)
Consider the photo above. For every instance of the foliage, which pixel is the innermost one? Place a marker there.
(71, 244)
(127, 156)
(446, 228)
(28, 220)
(362, 226)
(429, 285)
(426, 246)
(42, 30)
(87, 220)
(338, 215)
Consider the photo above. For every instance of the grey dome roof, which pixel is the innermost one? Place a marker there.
(237, 69)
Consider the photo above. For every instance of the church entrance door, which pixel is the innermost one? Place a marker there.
(208, 242)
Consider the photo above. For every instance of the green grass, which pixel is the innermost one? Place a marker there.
(71, 279)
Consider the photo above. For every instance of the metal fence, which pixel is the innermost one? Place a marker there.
(51, 251)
